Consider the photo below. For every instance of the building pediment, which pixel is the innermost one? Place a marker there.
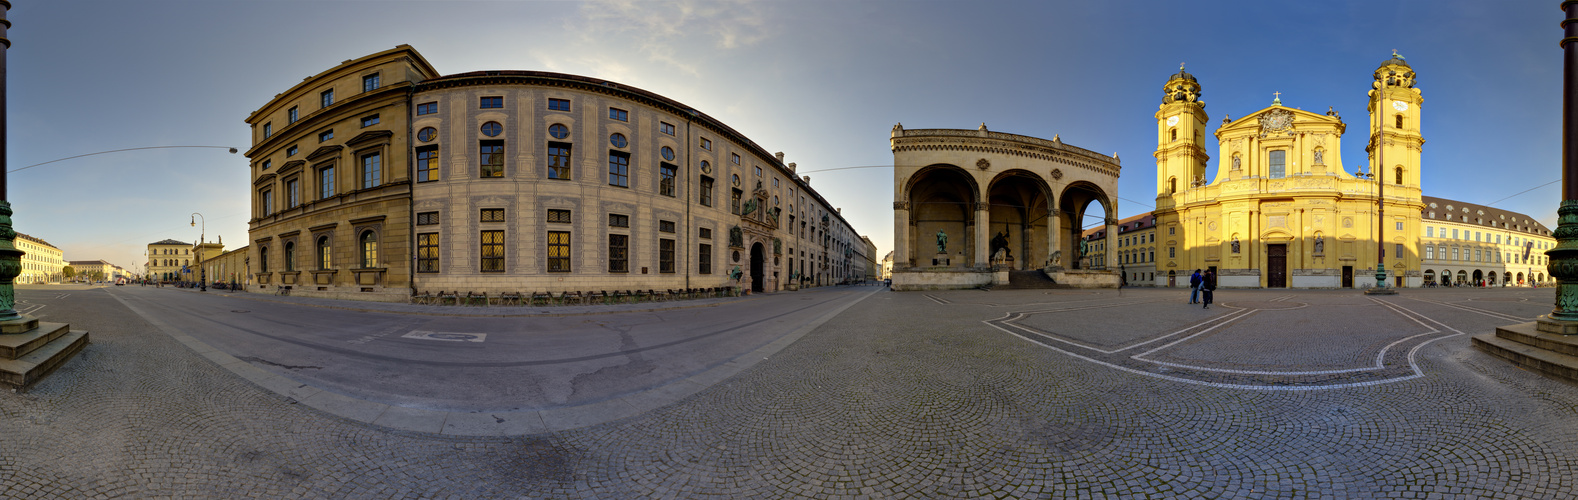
(324, 152)
(1281, 120)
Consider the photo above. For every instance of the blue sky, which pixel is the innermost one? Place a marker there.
(821, 80)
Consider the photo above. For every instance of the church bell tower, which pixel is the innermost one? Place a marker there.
(1395, 108)
(1180, 131)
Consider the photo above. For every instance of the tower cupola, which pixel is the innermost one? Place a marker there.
(1181, 87)
(1396, 72)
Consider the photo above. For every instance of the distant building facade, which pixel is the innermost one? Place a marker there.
(1469, 244)
(41, 262)
(520, 181)
(166, 258)
(1134, 254)
(230, 267)
(93, 270)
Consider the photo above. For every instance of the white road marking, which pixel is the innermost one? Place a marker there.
(446, 336)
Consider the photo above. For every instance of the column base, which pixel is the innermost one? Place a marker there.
(1547, 325)
(1380, 291)
(21, 324)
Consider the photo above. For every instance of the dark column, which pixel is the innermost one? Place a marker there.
(10, 257)
(1564, 257)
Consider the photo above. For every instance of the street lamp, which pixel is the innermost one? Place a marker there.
(202, 273)
(1379, 143)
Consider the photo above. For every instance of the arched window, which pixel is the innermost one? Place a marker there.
(263, 259)
(1174, 135)
(1172, 185)
(1399, 121)
(369, 241)
(290, 256)
(1399, 175)
(324, 254)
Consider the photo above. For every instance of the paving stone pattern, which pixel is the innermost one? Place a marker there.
(905, 395)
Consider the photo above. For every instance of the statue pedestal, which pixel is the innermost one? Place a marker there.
(941, 259)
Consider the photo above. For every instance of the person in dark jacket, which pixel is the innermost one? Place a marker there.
(1194, 287)
(1208, 286)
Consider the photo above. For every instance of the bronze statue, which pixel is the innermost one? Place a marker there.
(942, 242)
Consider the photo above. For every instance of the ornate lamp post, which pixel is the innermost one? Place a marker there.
(10, 257)
(201, 271)
(1380, 188)
(1563, 262)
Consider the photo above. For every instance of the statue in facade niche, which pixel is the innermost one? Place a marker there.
(1320, 244)
(750, 206)
(1320, 157)
(1000, 242)
(1235, 244)
(942, 242)
(736, 237)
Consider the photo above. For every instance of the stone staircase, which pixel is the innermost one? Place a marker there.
(29, 350)
(1528, 346)
(1028, 280)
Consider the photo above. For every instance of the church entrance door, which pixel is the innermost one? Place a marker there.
(1347, 276)
(758, 281)
(1276, 266)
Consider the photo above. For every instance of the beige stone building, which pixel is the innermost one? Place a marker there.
(97, 270)
(166, 258)
(331, 181)
(1469, 244)
(41, 262)
(1134, 254)
(202, 252)
(520, 181)
(230, 267)
(969, 202)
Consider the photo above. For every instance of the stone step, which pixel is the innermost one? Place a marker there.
(1529, 334)
(18, 374)
(16, 345)
(1550, 363)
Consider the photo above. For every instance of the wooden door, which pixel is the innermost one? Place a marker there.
(1276, 266)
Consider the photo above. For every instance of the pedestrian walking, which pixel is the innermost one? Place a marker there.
(1208, 284)
(1194, 287)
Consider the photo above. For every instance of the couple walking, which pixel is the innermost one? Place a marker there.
(1202, 285)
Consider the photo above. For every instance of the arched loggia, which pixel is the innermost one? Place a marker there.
(1076, 214)
(942, 200)
(1019, 220)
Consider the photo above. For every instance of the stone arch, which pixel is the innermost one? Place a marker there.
(1018, 212)
(941, 198)
(1073, 204)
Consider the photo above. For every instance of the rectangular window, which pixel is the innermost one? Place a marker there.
(368, 121)
(325, 135)
(558, 251)
(665, 226)
(292, 115)
(492, 158)
(268, 130)
(370, 82)
(493, 251)
(558, 104)
(733, 157)
(292, 193)
(327, 97)
(666, 183)
(707, 145)
(427, 252)
(758, 170)
(1278, 164)
(706, 233)
(1171, 254)
(290, 151)
(704, 259)
(492, 215)
(559, 216)
(1454, 234)
(734, 202)
(426, 108)
(558, 161)
(1400, 253)
(665, 256)
(618, 220)
(618, 253)
(427, 163)
(1478, 255)
(427, 219)
(268, 202)
(706, 191)
(775, 182)
(267, 164)
(1430, 232)
(618, 169)
(666, 127)
(372, 170)
(492, 102)
(1430, 253)
(1399, 226)
(325, 182)
(618, 114)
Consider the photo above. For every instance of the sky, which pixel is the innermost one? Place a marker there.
(823, 81)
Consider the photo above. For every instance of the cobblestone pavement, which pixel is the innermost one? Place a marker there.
(959, 394)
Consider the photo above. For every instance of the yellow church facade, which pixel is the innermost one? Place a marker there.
(1281, 211)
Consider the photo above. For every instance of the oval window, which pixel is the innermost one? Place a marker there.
(558, 131)
(427, 134)
(706, 168)
(618, 140)
(492, 129)
(668, 153)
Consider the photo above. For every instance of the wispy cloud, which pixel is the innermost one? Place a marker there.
(660, 28)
